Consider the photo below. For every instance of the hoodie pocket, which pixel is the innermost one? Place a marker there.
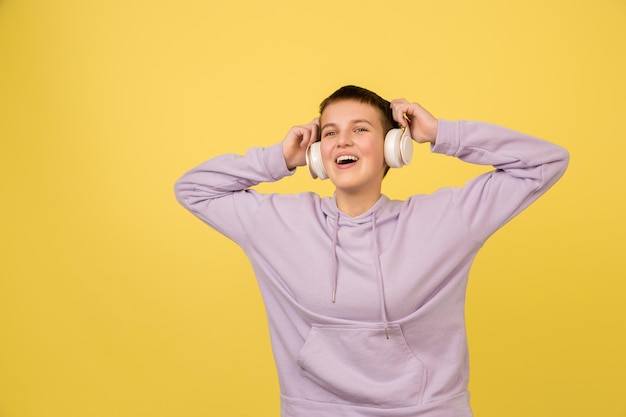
(359, 365)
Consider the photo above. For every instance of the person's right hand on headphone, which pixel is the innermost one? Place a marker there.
(298, 139)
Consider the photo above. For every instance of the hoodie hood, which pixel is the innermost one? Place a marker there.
(330, 209)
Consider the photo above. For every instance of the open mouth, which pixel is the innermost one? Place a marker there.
(346, 159)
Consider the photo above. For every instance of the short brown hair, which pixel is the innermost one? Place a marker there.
(363, 95)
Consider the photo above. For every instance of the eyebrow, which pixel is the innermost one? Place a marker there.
(355, 121)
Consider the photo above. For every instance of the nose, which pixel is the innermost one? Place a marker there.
(344, 138)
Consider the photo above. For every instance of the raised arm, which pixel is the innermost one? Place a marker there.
(218, 190)
(525, 168)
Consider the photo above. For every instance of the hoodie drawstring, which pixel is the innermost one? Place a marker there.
(379, 271)
(379, 275)
(334, 262)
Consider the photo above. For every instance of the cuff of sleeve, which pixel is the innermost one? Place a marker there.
(275, 162)
(448, 138)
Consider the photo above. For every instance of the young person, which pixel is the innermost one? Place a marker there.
(365, 295)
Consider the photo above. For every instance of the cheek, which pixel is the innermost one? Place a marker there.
(326, 151)
(375, 149)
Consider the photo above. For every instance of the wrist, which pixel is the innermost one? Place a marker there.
(432, 136)
(286, 157)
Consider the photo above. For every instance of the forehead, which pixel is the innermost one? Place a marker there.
(344, 111)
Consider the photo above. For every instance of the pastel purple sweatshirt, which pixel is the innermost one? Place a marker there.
(366, 313)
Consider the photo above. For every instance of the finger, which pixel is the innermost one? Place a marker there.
(316, 131)
(399, 109)
(397, 101)
(306, 136)
(313, 128)
(309, 135)
(296, 134)
(410, 112)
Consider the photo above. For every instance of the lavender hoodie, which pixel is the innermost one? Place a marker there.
(366, 314)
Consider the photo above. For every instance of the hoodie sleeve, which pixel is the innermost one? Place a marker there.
(217, 191)
(525, 168)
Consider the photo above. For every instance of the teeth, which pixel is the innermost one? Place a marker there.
(347, 158)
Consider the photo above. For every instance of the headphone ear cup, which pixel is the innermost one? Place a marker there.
(398, 148)
(314, 161)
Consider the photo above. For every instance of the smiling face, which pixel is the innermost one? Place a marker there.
(352, 139)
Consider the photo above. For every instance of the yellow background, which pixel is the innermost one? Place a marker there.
(116, 302)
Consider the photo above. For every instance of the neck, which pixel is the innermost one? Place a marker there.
(355, 204)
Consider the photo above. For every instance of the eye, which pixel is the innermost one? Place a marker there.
(329, 133)
(360, 130)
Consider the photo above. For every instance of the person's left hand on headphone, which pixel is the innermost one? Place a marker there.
(422, 124)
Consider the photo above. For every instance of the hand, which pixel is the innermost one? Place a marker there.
(422, 124)
(297, 141)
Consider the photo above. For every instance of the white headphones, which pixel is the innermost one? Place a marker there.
(398, 153)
